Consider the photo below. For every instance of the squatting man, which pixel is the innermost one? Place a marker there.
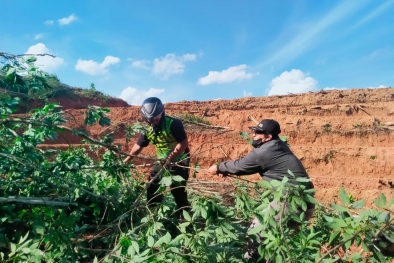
(271, 158)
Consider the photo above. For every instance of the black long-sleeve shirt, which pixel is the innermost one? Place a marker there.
(271, 160)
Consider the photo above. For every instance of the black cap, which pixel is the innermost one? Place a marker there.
(267, 126)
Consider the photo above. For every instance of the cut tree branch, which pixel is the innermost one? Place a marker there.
(47, 201)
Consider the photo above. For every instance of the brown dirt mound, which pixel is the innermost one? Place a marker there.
(344, 138)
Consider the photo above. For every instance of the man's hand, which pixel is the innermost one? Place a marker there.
(214, 170)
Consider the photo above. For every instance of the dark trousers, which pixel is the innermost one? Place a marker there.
(178, 189)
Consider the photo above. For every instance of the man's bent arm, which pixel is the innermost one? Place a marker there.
(249, 164)
(179, 149)
(134, 151)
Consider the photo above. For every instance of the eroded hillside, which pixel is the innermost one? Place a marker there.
(342, 137)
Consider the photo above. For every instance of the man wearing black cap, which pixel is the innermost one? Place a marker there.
(271, 158)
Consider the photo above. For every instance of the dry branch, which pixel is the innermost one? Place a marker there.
(47, 201)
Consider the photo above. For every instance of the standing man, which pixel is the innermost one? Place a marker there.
(271, 158)
(169, 137)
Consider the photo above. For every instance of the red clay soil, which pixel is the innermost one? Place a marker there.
(343, 138)
(74, 102)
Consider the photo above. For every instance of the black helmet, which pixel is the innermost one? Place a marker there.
(151, 107)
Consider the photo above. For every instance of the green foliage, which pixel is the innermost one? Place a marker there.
(327, 157)
(285, 139)
(96, 114)
(192, 118)
(327, 128)
(64, 206)
(133, 129)
(92, 93)
(357, 125)
(19, 76)
(372, 157)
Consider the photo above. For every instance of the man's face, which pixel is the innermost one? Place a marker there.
(259, 135)
(156, 120)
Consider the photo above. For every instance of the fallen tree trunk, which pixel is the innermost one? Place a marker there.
(46, 201)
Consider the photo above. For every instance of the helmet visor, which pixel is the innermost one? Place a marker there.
(154, 120)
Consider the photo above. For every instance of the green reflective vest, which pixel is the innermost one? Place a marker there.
(164, 141)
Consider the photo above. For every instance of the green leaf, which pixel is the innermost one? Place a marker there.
(265, 184)
(176, 240)
(333, 236)
(364, 246)
(151, 241)
(203, 212)
(13, 247)
(10, 71)
(167, 238)
(383, 199)
(138, 259)
(244, 135)
(275, 183)
(177, 178)
(384, 217)
(278, 258)
(186, 215)
(31, 59)
(285, 180)
(135, 246)
(166, 181)
(196, 169)
(39, 230)
(22, 239)
(26, 250)
(303, 180)
(183, 225)
(339, 208)
(338, 224)
(378, 203)
(344, 196)
(256, 230)
(379, 256)
(358, 204)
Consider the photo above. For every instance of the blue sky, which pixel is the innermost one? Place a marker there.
(205, 50)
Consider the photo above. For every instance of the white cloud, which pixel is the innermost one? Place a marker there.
(93, 68)
(39, 36)
(228, 75)
(379, 87)
(294, 81)
(344, 88)
(247, 94)
(48, 22)
(189, 57)
(171, 64)
(134, 96)
(142, 64)
(46, 63)
(67, 20)
(335, 88)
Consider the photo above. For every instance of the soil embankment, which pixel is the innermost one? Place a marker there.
(344, 138)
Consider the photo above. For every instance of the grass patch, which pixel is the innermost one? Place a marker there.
(193, 119)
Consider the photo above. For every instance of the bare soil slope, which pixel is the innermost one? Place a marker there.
(344, 138)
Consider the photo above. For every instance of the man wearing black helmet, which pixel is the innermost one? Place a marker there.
(271, 158)
(170, 140)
